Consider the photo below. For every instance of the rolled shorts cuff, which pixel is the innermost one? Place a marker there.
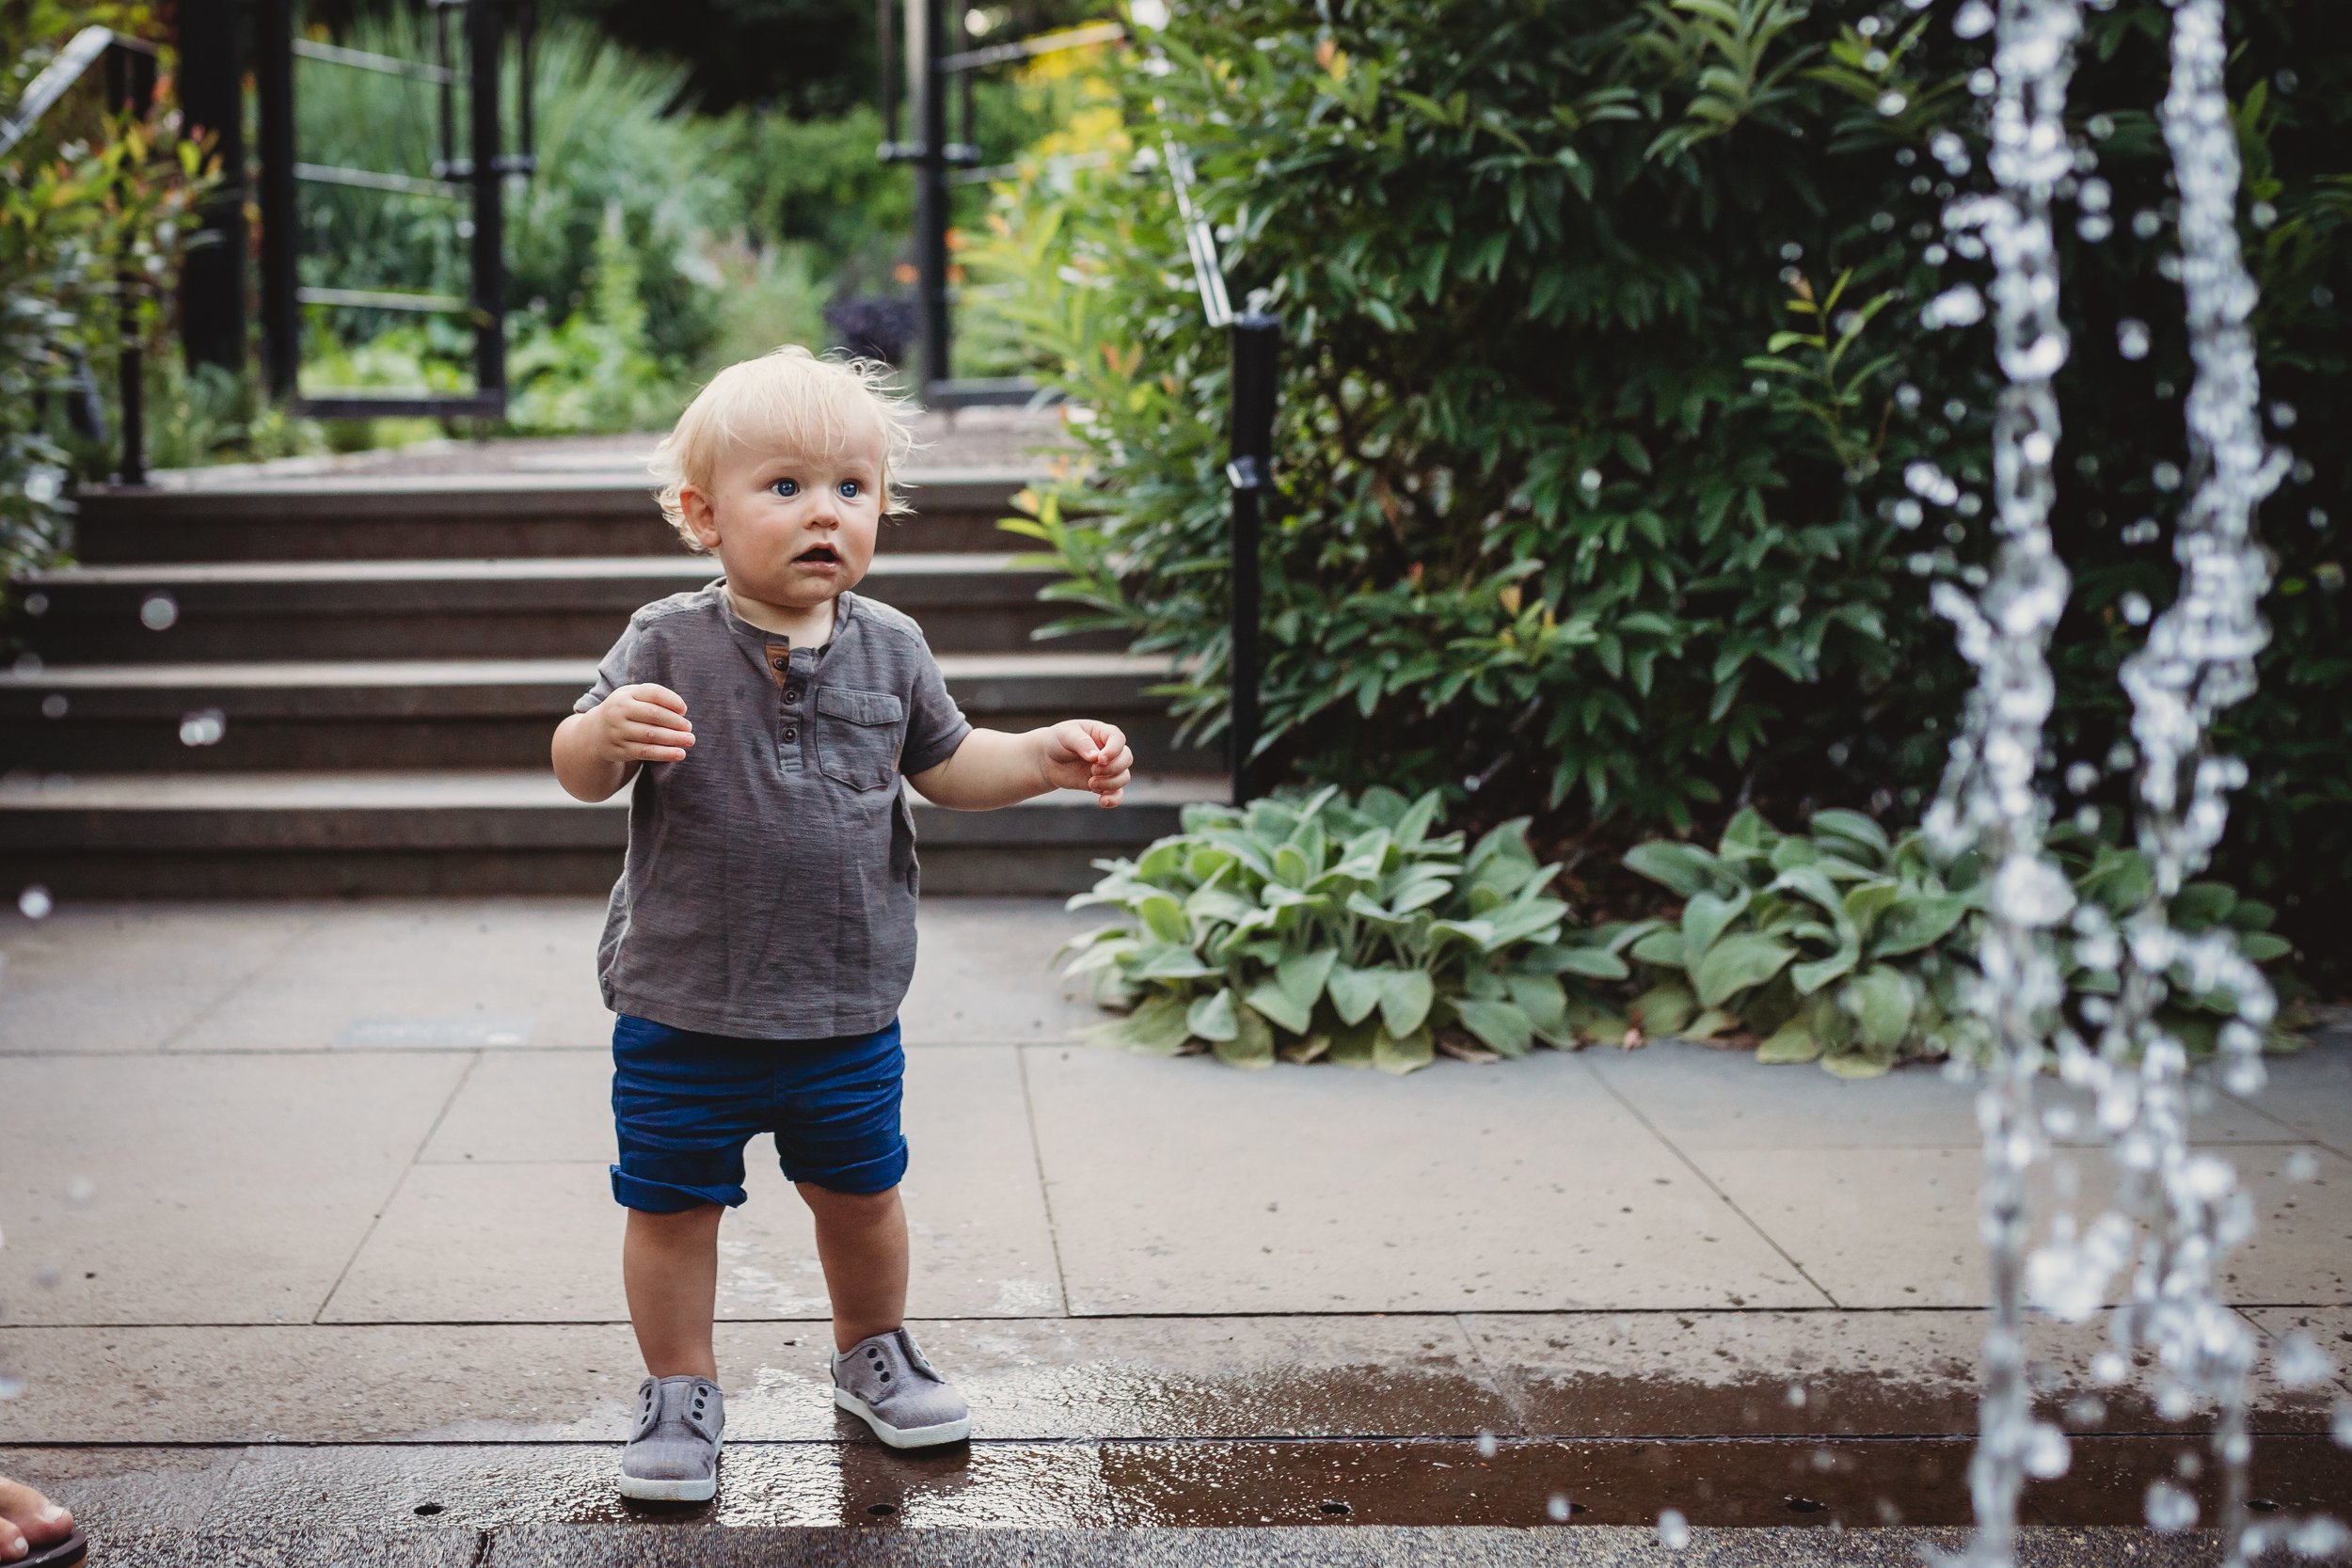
(878, 1175)
(662, 1198)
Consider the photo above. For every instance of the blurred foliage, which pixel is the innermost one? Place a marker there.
(94, 210)
(1603, 368)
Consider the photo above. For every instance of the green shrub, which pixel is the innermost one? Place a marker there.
(1603, 364)
(1842, 946)
(1321, 928)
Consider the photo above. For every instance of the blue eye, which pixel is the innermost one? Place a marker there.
(849, 489)
(788, 488)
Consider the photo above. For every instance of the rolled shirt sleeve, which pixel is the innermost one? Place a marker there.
(613, 672)
(935, 726)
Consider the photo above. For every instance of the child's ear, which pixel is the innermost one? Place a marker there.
(701, 521)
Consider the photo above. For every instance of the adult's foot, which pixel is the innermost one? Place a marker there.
(30, 1524)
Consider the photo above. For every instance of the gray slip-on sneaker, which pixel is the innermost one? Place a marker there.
(672, 1453)
(884, 1380)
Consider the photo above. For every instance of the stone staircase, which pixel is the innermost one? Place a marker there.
(344, 683)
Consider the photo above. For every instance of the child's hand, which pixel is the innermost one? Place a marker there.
(1083, 753)
(642, 723)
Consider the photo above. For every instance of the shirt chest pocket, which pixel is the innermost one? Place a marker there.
(858, 736)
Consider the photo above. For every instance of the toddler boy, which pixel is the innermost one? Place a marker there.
(762, 934)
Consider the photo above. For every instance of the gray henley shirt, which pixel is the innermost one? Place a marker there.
(770, 888)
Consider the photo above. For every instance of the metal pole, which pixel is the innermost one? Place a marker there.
(281, 317)
(130, 89)
(211, 278)
(1256, 337)
(928, 84)
(484, 21)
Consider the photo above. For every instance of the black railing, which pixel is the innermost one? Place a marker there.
(940, 163)
(128, 69)
(474, 176)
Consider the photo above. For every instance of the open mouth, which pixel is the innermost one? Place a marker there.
(818, 555)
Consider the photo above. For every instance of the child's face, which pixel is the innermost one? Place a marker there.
(790, 530)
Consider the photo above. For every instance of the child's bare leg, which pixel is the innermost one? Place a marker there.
(862, 1241)
(670, 1267)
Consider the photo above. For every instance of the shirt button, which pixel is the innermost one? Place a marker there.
(779, 662)
(791, 693)
(791, 735)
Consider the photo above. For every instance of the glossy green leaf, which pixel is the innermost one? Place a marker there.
(1737, 963)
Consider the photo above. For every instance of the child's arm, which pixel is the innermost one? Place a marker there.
(995, 769)
(598, 752)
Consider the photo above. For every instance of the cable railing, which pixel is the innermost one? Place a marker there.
(129, 74)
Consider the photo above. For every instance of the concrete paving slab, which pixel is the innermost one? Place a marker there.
(423, 974)
(1174, 1182)
(1027, 1380)
(530, 1107)
(1700, 1097)
(2312, 1091)
(200, 1189)
(1828, 1209)
(126, 978)
(2331, 1329)
(984, 973)
(163, 1488)
(539, 1242)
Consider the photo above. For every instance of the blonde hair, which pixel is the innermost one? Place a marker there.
(793, 398)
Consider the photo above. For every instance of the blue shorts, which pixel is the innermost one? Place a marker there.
(685, 1104)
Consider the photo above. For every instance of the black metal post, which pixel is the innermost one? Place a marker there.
(130, 89)
(281, 314)
(484, 21)
(886, 76)
(211, 278)
(928, 84)
(1256, 339)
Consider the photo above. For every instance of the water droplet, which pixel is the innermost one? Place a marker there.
(2131, 339)
(1958, 306)
(1590, 481)
(1974, 19)
(1488, 1447)
(2146, 222)
(2302, 1165)
(158, 611)
(2142, 533)
(1558, 1508)
(2319, 1538)
(2169, 1510)
(203, 727)
(36, 604)
(48, 1276)
(1791, 251)
(1674, 1531)
(28, 665)
(2109, 1368)
(2136, 608)
(54, 705)
(2087, 1410)
(1892, 102)
(79, 1190)
(2082, 778)
(2339, 1425)
(33, 903)
(1907, 512)
(2167, 475)
(11, 1385)
(2283, 415)
(2299, 1362)
(2095, 226)
(2047, 1452)
(1795, 1395)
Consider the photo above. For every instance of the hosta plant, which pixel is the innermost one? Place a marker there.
(1353, 931)
(1845, 947)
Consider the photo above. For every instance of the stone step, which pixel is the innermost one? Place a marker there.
(261, 835)
(465, 713)
(540, 608)
(499, 515)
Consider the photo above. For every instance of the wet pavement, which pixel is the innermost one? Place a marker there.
(309, 1238)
